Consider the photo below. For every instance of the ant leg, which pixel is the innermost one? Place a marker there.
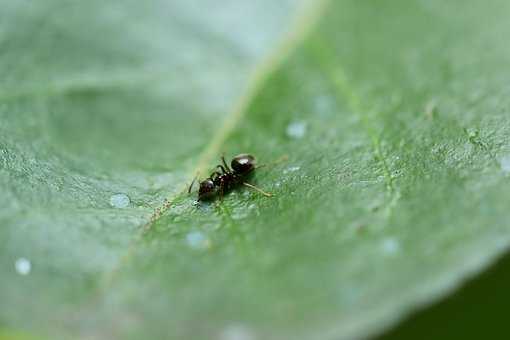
(251, 186)
(192, 182)
(222, 168)
(214, 173)
(225, 163)
(222, 191)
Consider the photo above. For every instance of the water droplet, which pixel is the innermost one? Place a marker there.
(291, 169)
(23, 266)
(119, 201)
(197, 240)
(296, 129)
(505, 164)
(237, 332)
(390, 246)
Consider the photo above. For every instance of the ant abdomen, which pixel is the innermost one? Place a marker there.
(243, 164)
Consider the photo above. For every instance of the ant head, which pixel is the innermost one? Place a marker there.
(206, 190)
(243, 163)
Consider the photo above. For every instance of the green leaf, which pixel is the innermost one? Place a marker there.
(383, 126)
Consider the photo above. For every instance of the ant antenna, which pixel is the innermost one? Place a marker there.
(192, 182)
(282, 159)
(251, 186)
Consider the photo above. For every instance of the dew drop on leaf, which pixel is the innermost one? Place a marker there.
(291, 169)
(120, 201)
(505, 164)
(197, 240)
(390, 246)
(237, 332)
(23, 266)
(296, 130)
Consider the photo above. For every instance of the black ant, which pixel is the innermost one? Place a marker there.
(219, 183)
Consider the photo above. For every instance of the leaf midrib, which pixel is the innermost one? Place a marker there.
(304, 22)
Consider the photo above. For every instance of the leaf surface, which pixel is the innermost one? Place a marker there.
(385, 138)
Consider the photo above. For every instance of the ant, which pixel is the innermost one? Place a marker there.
(218, 183)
